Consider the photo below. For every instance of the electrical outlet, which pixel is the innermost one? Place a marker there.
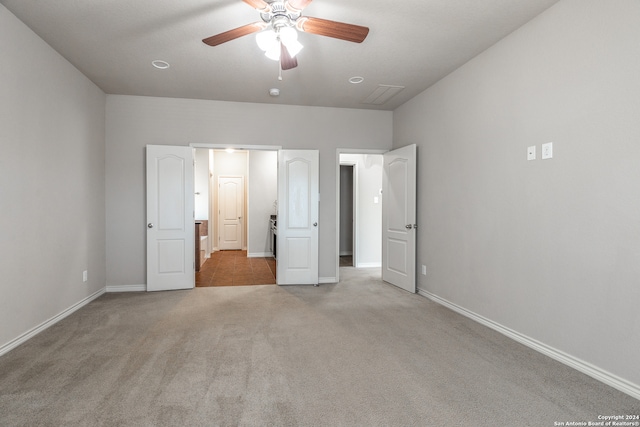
(85, 276)
(547, 150)
(531, 152)
(424, 270)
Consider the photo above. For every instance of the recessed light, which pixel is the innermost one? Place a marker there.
(274, 91)
(356, 79)
(161, 65)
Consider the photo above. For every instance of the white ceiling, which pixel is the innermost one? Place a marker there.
(411, 43)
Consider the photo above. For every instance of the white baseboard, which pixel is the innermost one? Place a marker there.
(327, 280)
(126, 288)
(601, 375)
(369, 265)
(48, 323)
(259, 255)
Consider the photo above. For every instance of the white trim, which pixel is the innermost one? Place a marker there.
(236, 146)
(259, 255)
(369, 265)
(126, 288)
(346, 253)
(48, 323)
(593, 371)
(327, 280)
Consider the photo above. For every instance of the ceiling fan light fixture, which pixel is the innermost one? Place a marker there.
(273, 52)
(288, 34)
(293, 46)
(266, 39)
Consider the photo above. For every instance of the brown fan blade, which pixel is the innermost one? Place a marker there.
(234, 34)
(337, 30)
(298, 5)
(257, 4)
(286, 61)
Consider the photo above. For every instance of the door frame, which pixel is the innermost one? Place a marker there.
(338, 152)
(245, 147)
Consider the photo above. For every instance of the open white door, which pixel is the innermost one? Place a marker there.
(230, 209)
(298, 199)
(399, 218)
(170, 218)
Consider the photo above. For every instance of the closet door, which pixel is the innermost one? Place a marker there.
(170, 218)
(298, 206)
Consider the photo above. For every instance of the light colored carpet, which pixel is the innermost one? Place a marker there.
(359, 353)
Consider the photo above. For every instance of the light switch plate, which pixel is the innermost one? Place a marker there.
(547, 150)
(531, 152)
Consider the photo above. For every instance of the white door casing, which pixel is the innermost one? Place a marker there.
(230, 212)
(170, 218)
(399, 218)
(298, 207)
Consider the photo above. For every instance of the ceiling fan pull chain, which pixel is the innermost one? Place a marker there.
(279, 71)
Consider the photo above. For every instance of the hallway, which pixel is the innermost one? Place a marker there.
(233, 268)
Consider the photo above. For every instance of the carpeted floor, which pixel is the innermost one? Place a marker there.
(359, 353)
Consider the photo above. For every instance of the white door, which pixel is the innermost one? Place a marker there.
(170, 218)
(399, 218)
(230, 211)
(298, 203)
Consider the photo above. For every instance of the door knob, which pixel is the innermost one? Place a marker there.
(150, 225)
(315, 224)
(408, 226)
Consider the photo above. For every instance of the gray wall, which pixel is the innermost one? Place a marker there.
(133, 122)
(52, 197)
(548, 248)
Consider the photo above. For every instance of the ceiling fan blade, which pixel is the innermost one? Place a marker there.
(337, 30)
(299, 4)
(286, 61)
(234, 34)
(257, 4)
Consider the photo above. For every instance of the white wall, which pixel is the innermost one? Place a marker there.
(346, 210)
(263, 192)
(133, 122)
(369, 213)
(548, 248)
(201, 183)
(52, 197)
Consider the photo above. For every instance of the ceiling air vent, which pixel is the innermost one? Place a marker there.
(382, 94)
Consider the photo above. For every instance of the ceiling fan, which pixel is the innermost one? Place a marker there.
(280, 20)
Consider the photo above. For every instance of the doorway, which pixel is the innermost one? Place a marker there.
(359, 211)
(237, 195)
(347, 224)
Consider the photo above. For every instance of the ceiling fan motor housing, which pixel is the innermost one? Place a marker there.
(279, 15)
